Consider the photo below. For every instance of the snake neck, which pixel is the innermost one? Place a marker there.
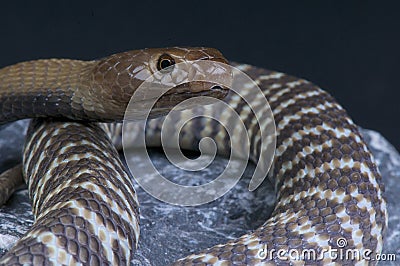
(44, 88)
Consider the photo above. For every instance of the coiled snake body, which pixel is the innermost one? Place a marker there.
(328, 186)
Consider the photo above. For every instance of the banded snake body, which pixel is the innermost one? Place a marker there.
(327, 183)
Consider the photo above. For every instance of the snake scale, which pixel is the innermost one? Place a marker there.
(327, 183)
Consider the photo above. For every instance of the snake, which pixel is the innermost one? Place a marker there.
(328, 186)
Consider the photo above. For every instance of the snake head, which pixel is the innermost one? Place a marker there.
(160, 79)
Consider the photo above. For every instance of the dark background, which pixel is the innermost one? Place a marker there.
(349, 48)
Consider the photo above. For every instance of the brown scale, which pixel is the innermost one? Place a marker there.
(316, 208)
(91, 90)
(73, 233)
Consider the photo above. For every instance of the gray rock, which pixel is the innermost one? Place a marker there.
(11, 142)
(171, 232)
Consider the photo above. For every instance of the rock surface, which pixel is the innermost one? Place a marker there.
(170, 232)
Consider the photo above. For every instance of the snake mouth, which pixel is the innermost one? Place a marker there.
(195, 87)
(153, 105)
(202, 91)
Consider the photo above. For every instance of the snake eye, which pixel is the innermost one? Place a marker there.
(165, 61)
